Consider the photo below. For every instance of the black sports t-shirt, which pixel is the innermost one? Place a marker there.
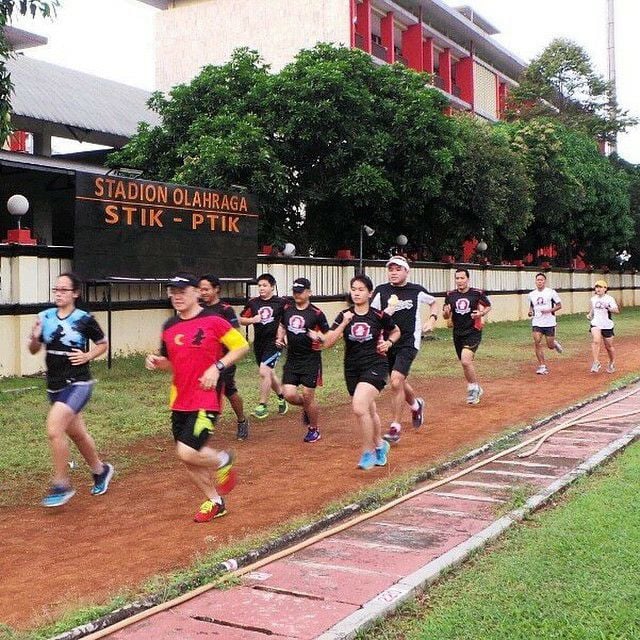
(296, 323)
(270, 312)
(225, 311)
(462, 304)
(361, 337)
(404, 309)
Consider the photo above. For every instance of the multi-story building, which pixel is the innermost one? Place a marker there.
(470, 67)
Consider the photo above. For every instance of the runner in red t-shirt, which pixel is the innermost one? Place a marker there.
(193, 346)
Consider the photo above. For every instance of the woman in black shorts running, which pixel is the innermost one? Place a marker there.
(366, 369)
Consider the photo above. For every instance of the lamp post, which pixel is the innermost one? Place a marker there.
(369, 231)
(18, 205)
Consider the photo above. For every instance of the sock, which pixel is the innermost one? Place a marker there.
(280, 396)
(472, 386)
(223, 459)
(396, 425)
(217, 500)
(415, 406)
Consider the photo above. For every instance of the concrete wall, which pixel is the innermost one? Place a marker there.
(192, 34)
(25, 286)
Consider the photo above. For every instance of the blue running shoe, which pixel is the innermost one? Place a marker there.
(313, 435)
(58, 496)
(367, 460)
(382, 454)
(101, 480)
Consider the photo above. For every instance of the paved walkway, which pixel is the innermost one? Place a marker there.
(340, 584)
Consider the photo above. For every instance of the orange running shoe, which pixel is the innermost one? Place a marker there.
(210, 510)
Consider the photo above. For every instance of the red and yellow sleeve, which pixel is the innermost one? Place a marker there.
(233, 340)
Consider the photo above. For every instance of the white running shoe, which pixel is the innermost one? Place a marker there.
(542, 370)
(611, 368)
(474, 395)
(558, 347)
(595, 367)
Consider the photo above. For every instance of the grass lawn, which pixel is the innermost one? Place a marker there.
(569, 572)
(130, 404)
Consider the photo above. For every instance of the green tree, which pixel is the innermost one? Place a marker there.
(562, 83)
(488, 192)
(581, 201)
(363, 143)
(7, 10)
(329, 143)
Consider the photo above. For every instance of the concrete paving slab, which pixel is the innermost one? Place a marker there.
(329, 582)
(267, 613)
(390, 560)
(168, 625)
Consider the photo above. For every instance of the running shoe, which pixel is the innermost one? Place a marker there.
(595, 367)
(417, 417)
(542, 370)
(210, 510)
(226, 477)
(283, 406)
(243, 429)
(611, 368)
(261, 411)
(382, 454)
(101, 480)
(558, 347)
(58, 496)
(367, 460)
(393, 435)
(313, 435)
(474, 396)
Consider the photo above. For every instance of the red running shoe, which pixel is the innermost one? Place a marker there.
(210, 510)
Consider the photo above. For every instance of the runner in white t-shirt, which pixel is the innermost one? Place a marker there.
(602, 306)
(543, 304)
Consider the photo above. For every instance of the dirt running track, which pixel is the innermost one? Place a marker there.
(94, 546)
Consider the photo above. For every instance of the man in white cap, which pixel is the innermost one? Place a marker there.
(401, 299)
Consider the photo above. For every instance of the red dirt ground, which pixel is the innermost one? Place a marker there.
(84, 552)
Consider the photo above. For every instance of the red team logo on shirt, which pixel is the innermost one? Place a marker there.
(360, 332)
(297, 324)
(463, 306)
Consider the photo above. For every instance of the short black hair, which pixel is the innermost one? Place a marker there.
(541, 274)
(366, 281)
(214, 281)
(268, 277)
(463, 270)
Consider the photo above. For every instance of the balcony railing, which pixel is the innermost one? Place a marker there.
(379, 51)
(360, 41)
(456, 91)
(438, 81)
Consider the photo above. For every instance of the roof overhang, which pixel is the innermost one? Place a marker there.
(20, 39)
(158, 4)
(26, 162)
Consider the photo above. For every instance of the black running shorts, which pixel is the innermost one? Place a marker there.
(401, 358)
(469, 341)
(545, 331)
(193, 428)
(376, 376)
(306, 374)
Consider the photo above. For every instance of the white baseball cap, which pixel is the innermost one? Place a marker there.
(400, 261)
